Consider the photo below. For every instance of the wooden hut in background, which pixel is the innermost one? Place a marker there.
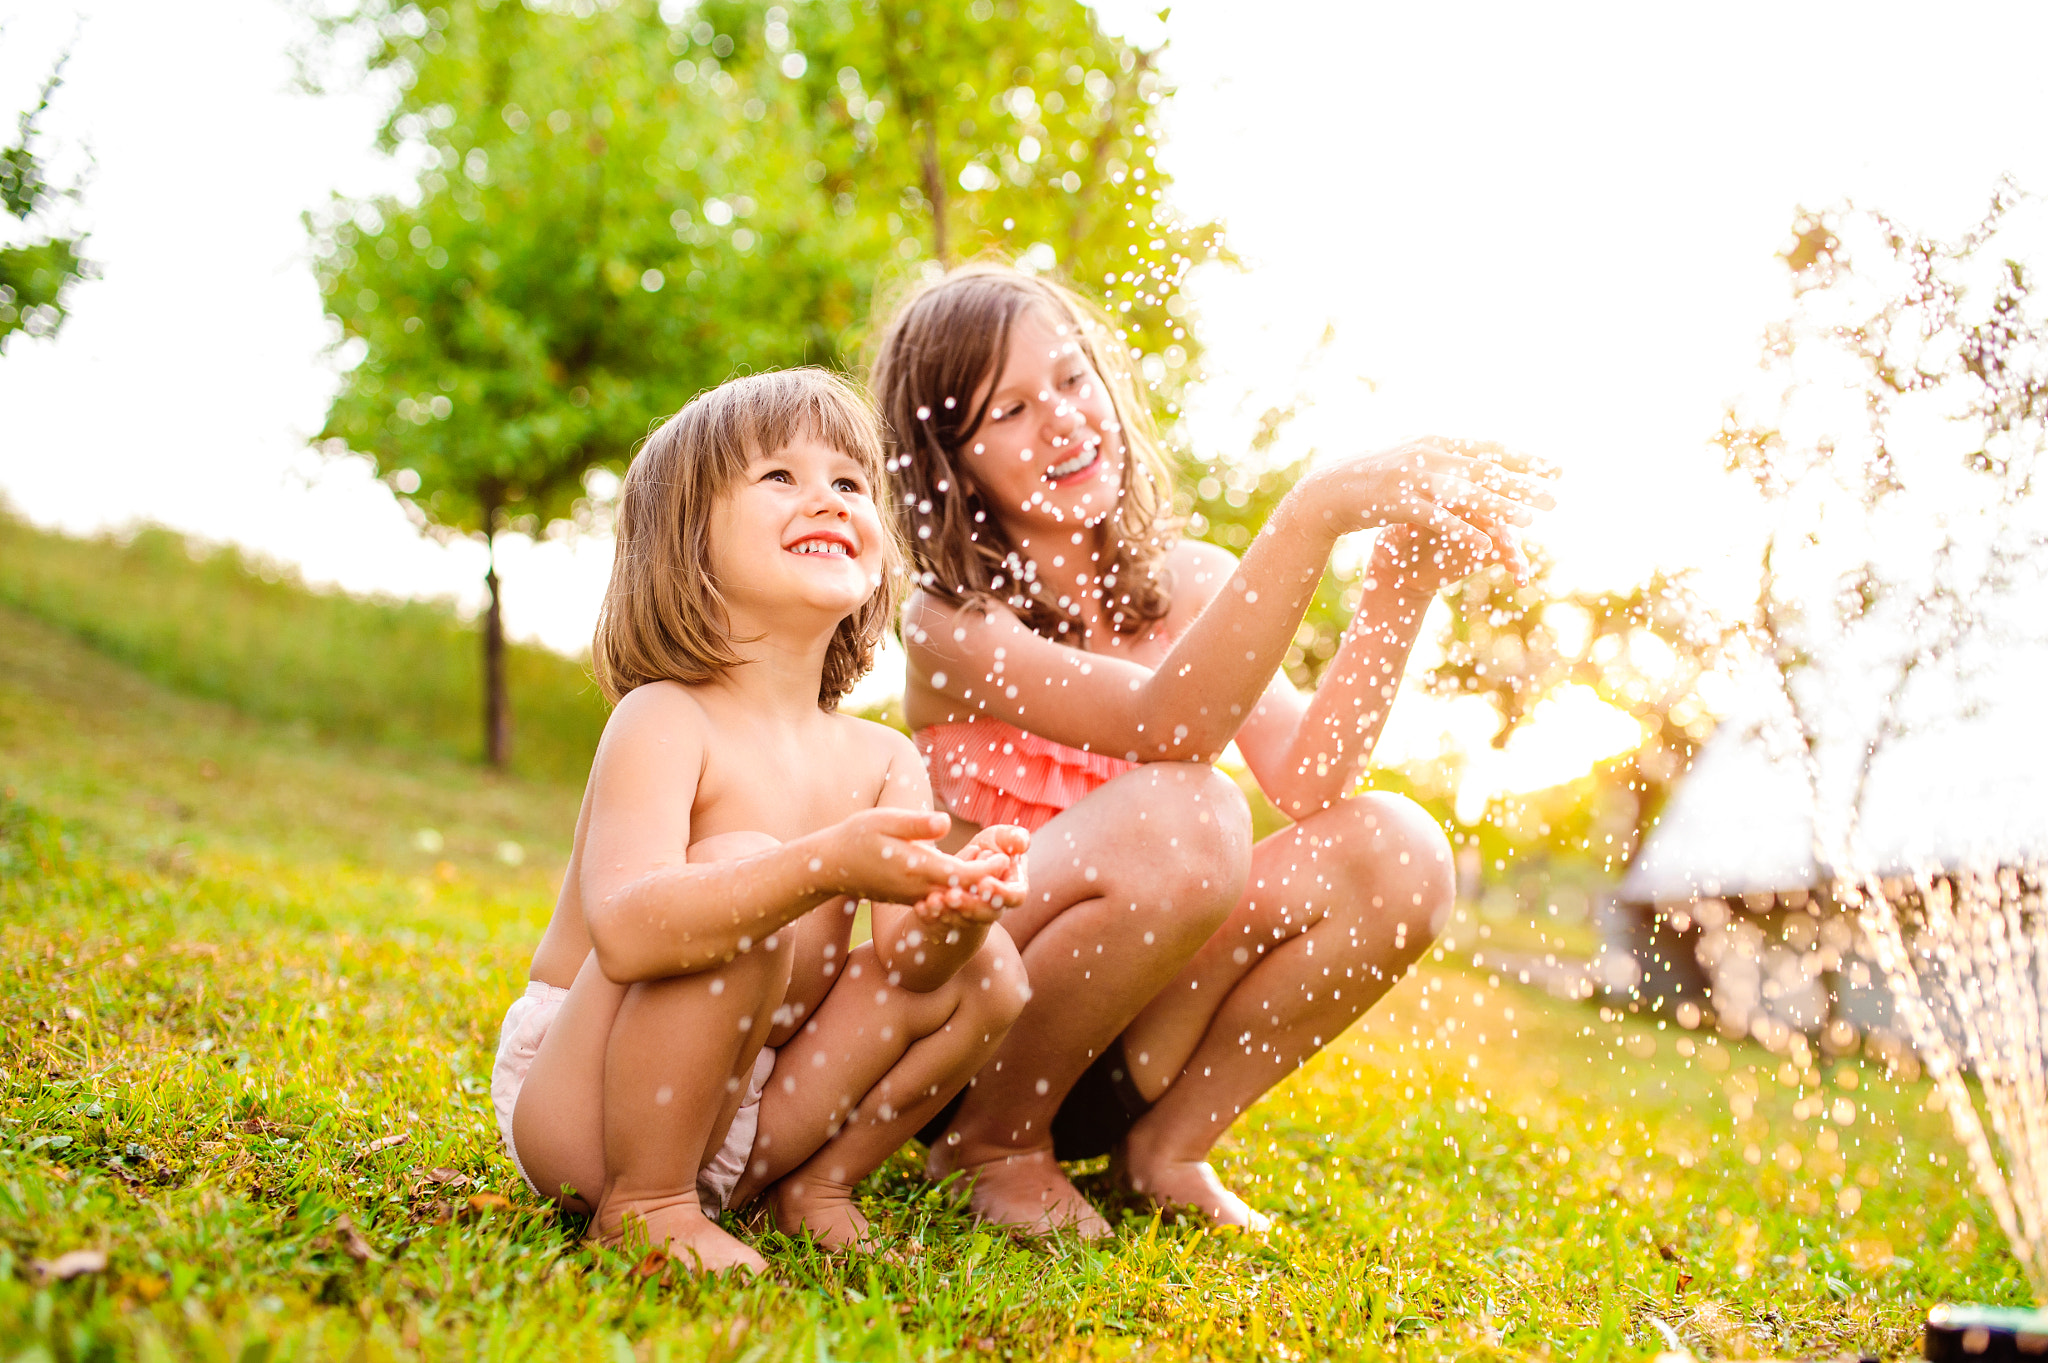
(1724, 909)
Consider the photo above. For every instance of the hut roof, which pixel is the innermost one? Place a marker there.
(1967, 787)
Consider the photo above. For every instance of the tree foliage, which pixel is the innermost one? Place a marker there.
(36, 276)
(1652, 651)
(620, 205)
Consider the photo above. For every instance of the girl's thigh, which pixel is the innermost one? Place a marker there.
(1173, 836)
(558, 1120)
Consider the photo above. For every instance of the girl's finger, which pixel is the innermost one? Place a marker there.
(1521, 487)
(1008, 837)
(1481, 506)
(1492, 452)
(1441, 521)
(911, 825)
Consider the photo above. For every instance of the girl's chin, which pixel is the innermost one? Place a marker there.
(1074, 515)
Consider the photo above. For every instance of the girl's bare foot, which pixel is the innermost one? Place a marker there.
(802, 1205)
(1189, 1184)
(1029, 1192)
(679, 1226)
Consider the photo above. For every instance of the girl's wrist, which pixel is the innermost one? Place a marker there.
(817, 862)
(1401, 580)
(1302, 512)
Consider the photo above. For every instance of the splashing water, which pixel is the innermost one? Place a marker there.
(1966, 956)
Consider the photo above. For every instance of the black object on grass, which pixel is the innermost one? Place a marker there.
(1985, 1334)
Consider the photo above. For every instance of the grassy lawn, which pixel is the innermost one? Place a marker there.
(252, 1009)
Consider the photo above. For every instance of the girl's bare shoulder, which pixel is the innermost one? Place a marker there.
(656, 705)
(885, 755)
(924, 610)
(1198, 571)
(931, 623)
(875, 742)
(656, 718)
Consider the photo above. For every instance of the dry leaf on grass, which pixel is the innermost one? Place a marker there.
(64, 1267)
(483, 1202)
(263, 1126)
(383, 1143)
(655, 1262)
(447, 1176)
(351, 1241)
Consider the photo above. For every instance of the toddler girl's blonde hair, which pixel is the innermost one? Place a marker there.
(947, 340)
(664, 618)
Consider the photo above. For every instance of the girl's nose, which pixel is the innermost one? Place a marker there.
(1063, 421)
(829, 501)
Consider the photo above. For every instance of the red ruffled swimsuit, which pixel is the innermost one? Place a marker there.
(992, 772)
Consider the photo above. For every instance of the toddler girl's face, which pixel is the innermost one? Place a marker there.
(799, 529)
(1049, 452)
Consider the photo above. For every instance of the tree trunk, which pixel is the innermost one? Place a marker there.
(497, 713)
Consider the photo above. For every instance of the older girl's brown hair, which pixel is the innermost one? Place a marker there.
(944, 343)
(664, 618)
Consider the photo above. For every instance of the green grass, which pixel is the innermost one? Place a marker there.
(213, 622)
(231, 970)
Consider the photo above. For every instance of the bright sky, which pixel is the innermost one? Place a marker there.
(1549, 225)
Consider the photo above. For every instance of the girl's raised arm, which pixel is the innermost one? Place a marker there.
(651, 914)
(1196, 700)
(1307, 752)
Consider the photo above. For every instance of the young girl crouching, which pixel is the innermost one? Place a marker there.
(699, 1030)
(1076, 665)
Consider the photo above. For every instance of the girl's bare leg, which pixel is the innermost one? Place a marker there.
(1126, 887)
(869, 1068)
(635, 1085)
(1339, 907)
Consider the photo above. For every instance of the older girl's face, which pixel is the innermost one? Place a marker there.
(1049, 453)
(798, 531)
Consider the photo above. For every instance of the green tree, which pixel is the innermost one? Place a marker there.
(619, 208)
(1017, 127)
(36, 276)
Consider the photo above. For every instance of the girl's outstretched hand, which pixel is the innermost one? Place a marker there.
(886, 854)
(996, 854)
(1464, 500)
(1425, 562)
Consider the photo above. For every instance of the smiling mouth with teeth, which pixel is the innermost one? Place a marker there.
(821, 547)
(1067, 468)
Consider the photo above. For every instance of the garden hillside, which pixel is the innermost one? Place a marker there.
(258, 928)
(214, 622)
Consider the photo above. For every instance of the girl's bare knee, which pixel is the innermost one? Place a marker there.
(1385, 857)
(993, 984)
(1197, 838)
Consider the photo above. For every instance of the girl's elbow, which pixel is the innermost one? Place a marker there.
(618, 958)
(1202, 742)
(612, 963)
(1298, 802)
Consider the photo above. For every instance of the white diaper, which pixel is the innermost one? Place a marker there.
(526, 1025)
(717, 1179)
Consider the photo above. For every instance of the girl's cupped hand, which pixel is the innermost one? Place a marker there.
(887, 855)
(996, 854)
(1462, 502)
